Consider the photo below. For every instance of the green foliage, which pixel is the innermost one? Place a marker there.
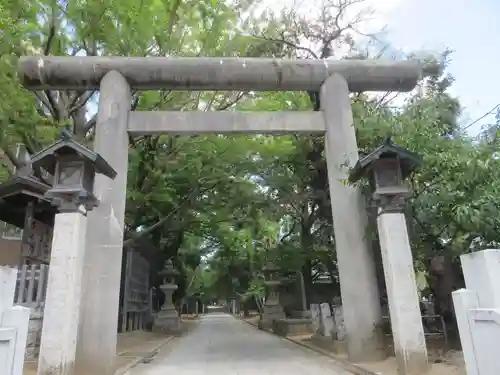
(223, 205)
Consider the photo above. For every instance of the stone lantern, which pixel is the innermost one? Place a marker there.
(74, 167)
(272, 307)
(386, 169)
(168, 318)
(273, 282)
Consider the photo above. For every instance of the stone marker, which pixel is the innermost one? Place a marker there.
(327, 325)
(338, 318)
(316, 318)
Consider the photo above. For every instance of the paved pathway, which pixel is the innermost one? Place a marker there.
(223, 345)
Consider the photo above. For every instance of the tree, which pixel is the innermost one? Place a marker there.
(221, 205)
(172, 180)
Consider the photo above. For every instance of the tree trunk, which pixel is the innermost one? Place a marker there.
(444, 277)
(308, 280)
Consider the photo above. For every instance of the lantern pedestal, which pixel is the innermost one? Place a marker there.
(272, 308)
(404, 309)
(167, 319)
(62, 306)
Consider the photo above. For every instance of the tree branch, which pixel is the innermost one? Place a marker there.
(163, 220)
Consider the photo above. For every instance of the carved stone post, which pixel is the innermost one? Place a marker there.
(358, 282)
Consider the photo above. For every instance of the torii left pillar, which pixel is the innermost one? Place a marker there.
(358, 281)
(97, 335)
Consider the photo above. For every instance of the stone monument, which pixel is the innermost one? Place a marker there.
(168, 319)
(327, 322)
(272, 307)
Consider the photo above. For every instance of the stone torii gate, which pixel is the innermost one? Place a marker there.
(115, 77)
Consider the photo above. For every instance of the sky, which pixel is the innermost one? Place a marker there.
(470, 29)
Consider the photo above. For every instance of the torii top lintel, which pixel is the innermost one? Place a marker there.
(214, 73)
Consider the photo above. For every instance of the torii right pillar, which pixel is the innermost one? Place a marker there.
(358, 281)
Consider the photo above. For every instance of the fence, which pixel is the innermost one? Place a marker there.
(136, 308)
(31, 286)
(136, 304)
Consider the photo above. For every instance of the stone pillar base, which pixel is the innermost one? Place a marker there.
(167, 321)
(301, 314)
(271, 313)
(292, 327)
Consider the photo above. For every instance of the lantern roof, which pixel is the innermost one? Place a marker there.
(15, 195)
(23, 184)
(270, 266)
(46, 158)
(408, 160)
(168, 269)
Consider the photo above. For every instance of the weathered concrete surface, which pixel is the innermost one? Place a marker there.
(223, 345)
(62, 305)
(358, 281)
(478, 311)
(198, 122)
(404, 308)
(34, 335)
(218, 73)
(96, 348)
